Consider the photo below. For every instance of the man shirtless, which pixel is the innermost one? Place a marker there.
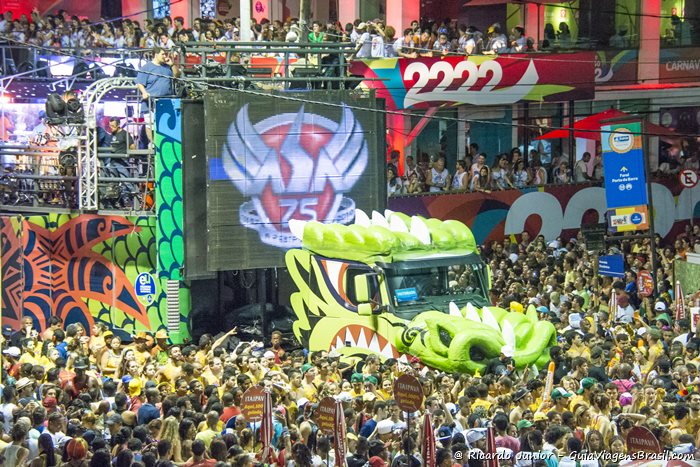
(172, 370)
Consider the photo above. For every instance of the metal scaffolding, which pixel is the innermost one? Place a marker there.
(88, 161)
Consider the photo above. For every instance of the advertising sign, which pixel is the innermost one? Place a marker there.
(623, 165)
(253, 403)
(283, 159)
(325, 415)
(145, 288)
(628, 219)
(679, 64)
(478, 80)
(408, 393)
(611, 266)
(645, 283)
(640, 439)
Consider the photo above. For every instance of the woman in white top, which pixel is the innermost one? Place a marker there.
(482, 182)
(500, 174)
(459, 181)
(521, 177)
(394, 185)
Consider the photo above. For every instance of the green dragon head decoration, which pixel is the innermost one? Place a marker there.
(459, 340)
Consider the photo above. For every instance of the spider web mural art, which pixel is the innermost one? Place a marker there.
(81, 268)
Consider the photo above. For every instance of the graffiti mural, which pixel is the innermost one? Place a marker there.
(551, 211)
(82, 268)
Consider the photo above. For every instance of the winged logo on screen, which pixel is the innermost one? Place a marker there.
(294, 166)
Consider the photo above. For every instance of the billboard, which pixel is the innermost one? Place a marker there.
(275, 158)
(478, 80)
(623, 165)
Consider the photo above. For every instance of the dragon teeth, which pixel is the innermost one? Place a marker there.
(374, 344)
(362, 340)
(339, 343)
(349, 338)
(387, 351)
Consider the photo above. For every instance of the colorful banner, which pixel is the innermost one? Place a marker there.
(478, 80)
(553, 211)
(680, 65)
(628, 219)
(169, 199)
(85, 269)
(623, 165)
(615, 67)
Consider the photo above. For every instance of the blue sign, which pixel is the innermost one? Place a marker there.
(636, 218)
(406, 295)
(611, 265)
(145, 288)
(623, 166)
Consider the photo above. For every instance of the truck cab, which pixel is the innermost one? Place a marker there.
(396, 286)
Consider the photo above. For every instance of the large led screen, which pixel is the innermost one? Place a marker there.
(308, 156)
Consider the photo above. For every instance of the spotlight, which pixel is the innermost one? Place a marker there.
(74, 111)
(55, 109)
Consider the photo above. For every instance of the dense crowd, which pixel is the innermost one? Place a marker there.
(509, 170)
(78, 398)
(373, 38)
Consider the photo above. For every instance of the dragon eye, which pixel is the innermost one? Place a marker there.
(476, 353)
(445, 338)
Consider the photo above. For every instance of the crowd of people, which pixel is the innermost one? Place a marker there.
(508, 171)
(77, 397)
(373, 38)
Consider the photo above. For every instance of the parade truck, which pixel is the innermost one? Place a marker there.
(403, 287)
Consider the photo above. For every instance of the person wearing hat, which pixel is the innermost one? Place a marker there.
(523, 426)
(476, 438)
(25, 391)
(140, 347)
(584, 392)
(81, 381)
(160, 350)
(363, 44)
(503, 364)
(522, 398)
(358, 389)
(560, 397)
(11, 360)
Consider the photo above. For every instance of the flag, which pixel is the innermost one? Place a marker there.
(428, 450)
(339, 434)
(491, 452)
(266, 429)
(680, 301)
(612, 306)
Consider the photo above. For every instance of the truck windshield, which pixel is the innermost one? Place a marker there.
(439, 281)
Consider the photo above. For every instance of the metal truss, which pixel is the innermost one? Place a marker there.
(88, 164)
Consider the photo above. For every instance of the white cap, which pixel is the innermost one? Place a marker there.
(575, 320)
(303, 401)
(508, 351)
(660, 306)
(269, 354)
(384, 427)
(12, 351)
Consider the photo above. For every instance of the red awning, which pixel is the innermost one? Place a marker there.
(589, 127)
